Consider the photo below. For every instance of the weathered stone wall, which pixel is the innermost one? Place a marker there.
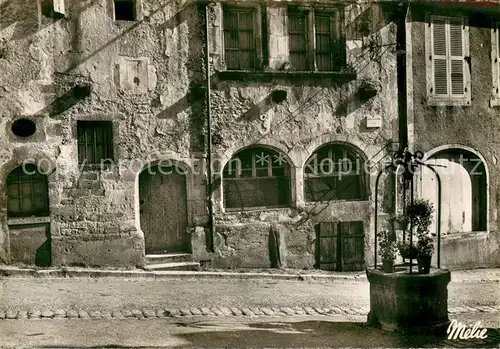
(474, 126)
(316, 112)
(146, 76)
(140, 74)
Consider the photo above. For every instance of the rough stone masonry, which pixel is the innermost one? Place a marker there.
(147, 77)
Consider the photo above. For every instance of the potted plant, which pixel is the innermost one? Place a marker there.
(425, 248)
(420, 215)
(388, 250)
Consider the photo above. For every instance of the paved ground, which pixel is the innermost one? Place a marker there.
(220, 312)
(112, 294)
(301, 332)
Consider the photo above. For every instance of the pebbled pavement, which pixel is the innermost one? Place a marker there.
(213, 312)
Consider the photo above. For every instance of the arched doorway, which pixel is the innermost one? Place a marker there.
(163, 209)
(463, 190)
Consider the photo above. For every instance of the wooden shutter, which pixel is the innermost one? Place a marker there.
(352, 245)
(448, 53)
(327, 246)
(456, 56)
(439, 57)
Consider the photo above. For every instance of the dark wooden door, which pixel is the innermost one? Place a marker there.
(340, 246)
(163, 210)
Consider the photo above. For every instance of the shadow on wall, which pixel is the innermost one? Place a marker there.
(22, 14)
(43, 253)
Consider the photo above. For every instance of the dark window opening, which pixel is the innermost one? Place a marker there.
(23, 127)
(125, 10)
(27, 192)
(95, 142)
(298, 34)
(52, 8)
(332, 173)
(256, 177)
(330, 43)
(239, 38)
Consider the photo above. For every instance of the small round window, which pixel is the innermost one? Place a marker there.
(23, 127)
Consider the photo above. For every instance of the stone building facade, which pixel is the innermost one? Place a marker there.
(453, 89)
(104, 146)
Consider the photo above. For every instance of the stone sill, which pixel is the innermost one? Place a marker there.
(28, 220)
(298, 76)
(448, 102)
(256, 209)
(495, 102)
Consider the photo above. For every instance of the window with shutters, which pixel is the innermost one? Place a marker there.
(316, 39)
(256, 178)
(240, 37)
(448, 74)
(495, 59)
(95, 142)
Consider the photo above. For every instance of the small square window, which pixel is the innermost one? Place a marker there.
(52, 8)
(95, 142)
(125, 10)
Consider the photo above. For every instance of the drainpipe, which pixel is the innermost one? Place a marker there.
(401, 66)
(210, 240)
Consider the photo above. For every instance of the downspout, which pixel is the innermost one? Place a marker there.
(402, 76)
(210, 237)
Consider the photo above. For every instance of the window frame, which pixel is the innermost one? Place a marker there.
(450, 99)
(359, 172)
(20, 213)
(495, 63)
(287, 175)
(108, 148)
(257, 37)
(337, 29)
(137, 11)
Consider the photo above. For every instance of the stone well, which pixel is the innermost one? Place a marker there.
(409, 302)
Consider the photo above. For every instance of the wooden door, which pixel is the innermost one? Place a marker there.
(163, 210)
(340, 246)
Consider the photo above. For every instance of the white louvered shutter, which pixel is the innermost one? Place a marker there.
(456, 57)
(440, 57)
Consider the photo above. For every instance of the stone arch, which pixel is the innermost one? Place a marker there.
(362, 148)
(465, 187)
(326, 182)
(266, 143)
(156, 159)
(165, 166)
(285, 195)
(21, 155)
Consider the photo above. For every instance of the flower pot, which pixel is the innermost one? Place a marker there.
(399, 225)
(408, 252)
(424, 264)
(388, 266)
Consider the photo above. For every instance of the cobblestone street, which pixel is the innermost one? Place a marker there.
(196, 311)
(25, 298)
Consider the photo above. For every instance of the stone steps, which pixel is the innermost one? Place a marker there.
(170, 261)
(173, 266)
(168, 257)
